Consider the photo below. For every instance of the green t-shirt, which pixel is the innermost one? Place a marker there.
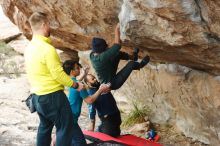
(104, 67)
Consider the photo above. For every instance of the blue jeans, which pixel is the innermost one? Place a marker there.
(78, 137)
(54, 109)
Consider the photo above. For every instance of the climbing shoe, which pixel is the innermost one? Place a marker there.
(144, 61)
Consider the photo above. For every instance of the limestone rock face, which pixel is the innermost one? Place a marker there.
(73, 22)
(179, 96)
(181, 31)
(176, 95)
(186, 32)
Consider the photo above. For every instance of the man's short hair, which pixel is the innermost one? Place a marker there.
(69, 65)
(37, 19)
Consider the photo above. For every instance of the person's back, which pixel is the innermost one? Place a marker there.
(47, 80)
(105, 67)
(105, 61)
(41, 80)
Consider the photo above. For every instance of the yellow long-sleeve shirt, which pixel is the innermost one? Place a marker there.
(43, 67)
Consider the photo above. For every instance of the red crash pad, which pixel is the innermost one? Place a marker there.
(130, 140)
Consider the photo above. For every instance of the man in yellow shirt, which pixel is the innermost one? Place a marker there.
(47, 80)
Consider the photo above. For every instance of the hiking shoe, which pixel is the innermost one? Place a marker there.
(135, 54)
(144, 61)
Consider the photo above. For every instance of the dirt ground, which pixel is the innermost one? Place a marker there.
(18, 127)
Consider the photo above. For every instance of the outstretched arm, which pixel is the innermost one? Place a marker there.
(83, 73)
(117, 34)
(102, 89)
(114, 50)
(54, 65)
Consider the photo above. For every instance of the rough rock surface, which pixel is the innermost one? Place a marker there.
(186, 32)
(8, 29)
(179, 96)
(175, 95)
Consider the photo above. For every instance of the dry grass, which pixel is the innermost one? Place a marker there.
(137, 115)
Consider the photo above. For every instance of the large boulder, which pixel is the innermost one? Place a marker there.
(181, 31)
(185, 32)
(177, 95)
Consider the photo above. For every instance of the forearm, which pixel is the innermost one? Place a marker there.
(84, 71)
(80, 77)
(93, 97)
(60, 76)
(96, 95)
(117, 35)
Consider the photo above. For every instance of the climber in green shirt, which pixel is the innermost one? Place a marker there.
(105, 61)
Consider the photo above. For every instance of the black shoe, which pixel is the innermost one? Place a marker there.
(145, 61)
(135, 54)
